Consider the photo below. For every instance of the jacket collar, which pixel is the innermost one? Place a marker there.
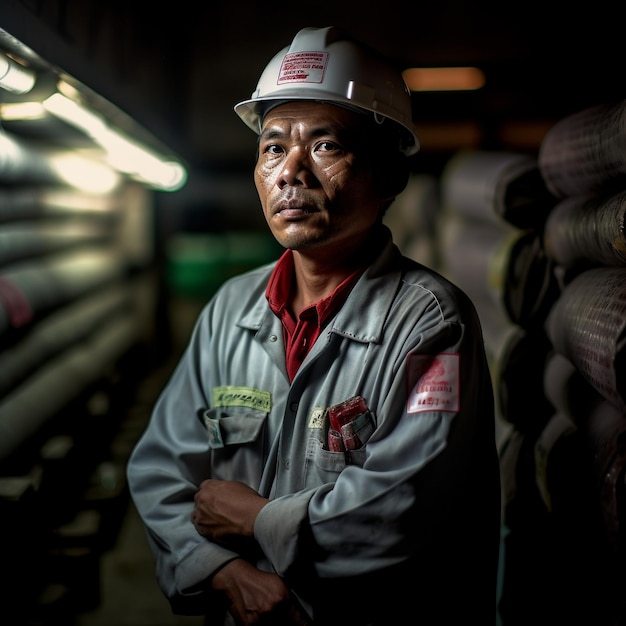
(363, 315)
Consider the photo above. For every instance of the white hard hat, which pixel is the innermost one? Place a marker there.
(324, 64)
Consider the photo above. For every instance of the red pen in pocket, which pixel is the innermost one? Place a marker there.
(341, 435)
(346, 411)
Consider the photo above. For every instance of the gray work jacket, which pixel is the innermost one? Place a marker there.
(415, 502)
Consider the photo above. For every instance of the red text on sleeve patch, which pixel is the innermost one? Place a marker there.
(433, 382)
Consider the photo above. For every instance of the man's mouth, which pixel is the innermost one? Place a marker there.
(292, 212)
(293, 208)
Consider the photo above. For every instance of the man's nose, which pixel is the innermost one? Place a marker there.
(296, 169)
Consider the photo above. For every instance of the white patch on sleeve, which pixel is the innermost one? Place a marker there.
(437, 386)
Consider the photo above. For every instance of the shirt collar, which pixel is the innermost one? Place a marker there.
(280, 285)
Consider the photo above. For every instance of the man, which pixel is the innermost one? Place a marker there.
(325, 451)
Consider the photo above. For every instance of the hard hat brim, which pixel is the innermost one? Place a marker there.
(252, 112)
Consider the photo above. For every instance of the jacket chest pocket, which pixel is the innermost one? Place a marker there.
(237, 440)
(334, 445)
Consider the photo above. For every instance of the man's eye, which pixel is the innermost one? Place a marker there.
(272, 148)
(326, 146)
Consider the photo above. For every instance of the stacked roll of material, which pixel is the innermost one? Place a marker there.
(587, 325)
(585, 231)
(520, 389)
(494, 207)
(583, 162)
(596, 429)
(31, 290)
(566, 388)
(412, 220)
(61, 379)
(538, 244)
(68, 312)
(585, 153)
(67, 327)
(497, 186)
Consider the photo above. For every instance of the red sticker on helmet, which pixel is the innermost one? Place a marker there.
(303, 67)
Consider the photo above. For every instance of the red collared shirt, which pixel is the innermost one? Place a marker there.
(300, 334)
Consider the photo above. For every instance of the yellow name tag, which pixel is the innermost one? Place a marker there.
(242, 396)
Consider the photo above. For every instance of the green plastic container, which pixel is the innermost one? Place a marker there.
(197, 264)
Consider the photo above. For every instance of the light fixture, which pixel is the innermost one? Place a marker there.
(83, 173)
(127, 156)
(15, 77)
(444, 78)
(79, 170)
(18, 111)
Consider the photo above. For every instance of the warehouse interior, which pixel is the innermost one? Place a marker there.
(518, 194)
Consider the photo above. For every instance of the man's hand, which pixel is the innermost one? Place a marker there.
(226, 508)
(257, 597)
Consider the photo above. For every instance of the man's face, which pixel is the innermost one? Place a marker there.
(314, 177)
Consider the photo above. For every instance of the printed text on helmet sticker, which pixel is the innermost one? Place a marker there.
(303, 67)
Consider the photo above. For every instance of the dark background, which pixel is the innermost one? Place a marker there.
(179, 68)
